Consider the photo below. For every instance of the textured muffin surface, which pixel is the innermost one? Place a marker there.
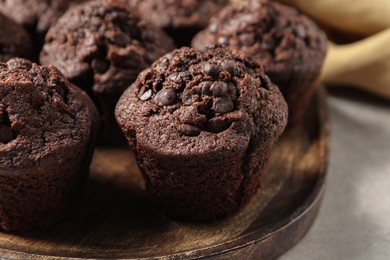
(288, 44)
(101, 46)
(41, 115)
(178, 14)
(270, 32)
(36, 15)
(14, 40)
(105, 43)
(47, 133)
(197, 94)
(179, 19)
(202, 125)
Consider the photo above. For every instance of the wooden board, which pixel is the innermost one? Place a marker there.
(118, 220)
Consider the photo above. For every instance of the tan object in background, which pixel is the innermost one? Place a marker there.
(364, 64)
(357, 16)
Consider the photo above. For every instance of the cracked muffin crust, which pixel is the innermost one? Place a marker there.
(202, 125)
(47, 130)
(288, 44)
(101, 46)
(181, 19)
(14, 40)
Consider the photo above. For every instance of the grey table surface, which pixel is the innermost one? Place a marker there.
(354, 219)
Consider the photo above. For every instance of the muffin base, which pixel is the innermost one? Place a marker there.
(37, 198)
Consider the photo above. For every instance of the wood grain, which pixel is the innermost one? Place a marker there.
(118, 220)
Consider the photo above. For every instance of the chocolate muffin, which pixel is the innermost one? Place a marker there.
(101, 46)
(14, 40)
(288, 44)
(36, 15)
(202, 125)
(47, 131)
(180, 19)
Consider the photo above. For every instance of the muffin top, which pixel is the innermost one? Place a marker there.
(14, 40)
(178, 13)
(272, 33)
(36, 15)
(105, 44)
(42, 116)
(193, 101)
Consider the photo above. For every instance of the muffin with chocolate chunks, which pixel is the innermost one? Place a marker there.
(47, 132)
(202, 125)
(101, 46)
(288, 44)
(14, 40)
(180, 19)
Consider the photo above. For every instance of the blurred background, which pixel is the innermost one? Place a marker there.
(353, 222)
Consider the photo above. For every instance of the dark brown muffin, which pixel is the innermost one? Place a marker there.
(14, 40)
(36, 15)
(101, 46)
(180, 19)
(47, 130)
(288, 44)
(202, 125)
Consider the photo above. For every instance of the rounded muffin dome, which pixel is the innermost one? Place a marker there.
(180, 19)
(36, 15)
(178, 14)
(188, 93)
(47, 133)
(101, 46)
(41, 115)
(202, 125)
(105, 44)
(288, 44)
(270, 32)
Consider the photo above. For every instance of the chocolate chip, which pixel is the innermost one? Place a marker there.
(247, 39)
(62, 91)
(166, 97)
(210, 69)
(5, 134)
(175, 77)
(223, 41)
(300, 31)
(205, 86)
(187, 98)
(189, 130)
(217, 125)
(100, 65)
(231, 68)
(145, 95)
(164, 65)
(185, 75)
(121, 39)
(213, 28)
(232, 91)
(219, 89)
(223, 105)
(265, 81)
